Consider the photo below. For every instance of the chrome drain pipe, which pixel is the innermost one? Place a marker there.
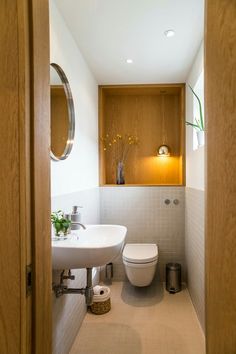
(89, 288)
(62, 289)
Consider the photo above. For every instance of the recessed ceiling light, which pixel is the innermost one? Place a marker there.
(129, 61)
(169, 33)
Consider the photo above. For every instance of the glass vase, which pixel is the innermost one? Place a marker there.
(120, 178)
(59, 233)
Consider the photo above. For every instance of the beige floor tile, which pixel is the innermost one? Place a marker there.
(142, 321)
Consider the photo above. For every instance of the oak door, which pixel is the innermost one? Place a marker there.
(25, 294)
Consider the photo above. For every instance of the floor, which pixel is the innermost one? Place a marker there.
(142, 321)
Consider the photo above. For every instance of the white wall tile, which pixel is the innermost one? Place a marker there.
(195, 249)
(148, 219)
(69, 310)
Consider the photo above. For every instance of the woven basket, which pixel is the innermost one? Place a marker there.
(99, 308)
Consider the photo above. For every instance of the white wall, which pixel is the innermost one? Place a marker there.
(195, 203)
(194, 158)
(80, 170)
(75, 180)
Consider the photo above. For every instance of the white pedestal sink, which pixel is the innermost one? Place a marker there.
(93, 247)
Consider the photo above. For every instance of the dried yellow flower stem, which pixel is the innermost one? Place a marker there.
(122, 145)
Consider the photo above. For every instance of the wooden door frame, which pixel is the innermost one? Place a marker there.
(40, 177)
(25, 177)
(220, 102)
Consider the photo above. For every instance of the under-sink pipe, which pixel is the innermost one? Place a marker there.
(62, 289)
(89, 287)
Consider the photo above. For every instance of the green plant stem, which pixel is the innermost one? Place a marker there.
(200, 108)
(193, 125)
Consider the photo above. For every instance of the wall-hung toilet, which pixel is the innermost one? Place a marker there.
(140, 260)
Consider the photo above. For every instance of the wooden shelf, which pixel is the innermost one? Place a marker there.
(153, 113)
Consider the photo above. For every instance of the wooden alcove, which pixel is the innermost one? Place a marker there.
(148, 112)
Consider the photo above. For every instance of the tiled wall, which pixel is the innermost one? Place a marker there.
(194, 244)
(69, 310)
(148, 219)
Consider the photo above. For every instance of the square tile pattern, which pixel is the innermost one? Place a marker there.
(148, 220)
(195, 249)
(69, 310)
(142, 321)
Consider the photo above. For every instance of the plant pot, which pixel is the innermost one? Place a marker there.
(200, 137)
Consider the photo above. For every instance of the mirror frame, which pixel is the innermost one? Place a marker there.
(71, 115)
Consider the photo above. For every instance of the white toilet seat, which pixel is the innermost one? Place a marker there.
(139, 265)
(140, 253)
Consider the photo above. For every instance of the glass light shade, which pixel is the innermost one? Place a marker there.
(169, 33)
(163, 150)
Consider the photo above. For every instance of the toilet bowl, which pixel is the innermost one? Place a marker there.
(140, 260)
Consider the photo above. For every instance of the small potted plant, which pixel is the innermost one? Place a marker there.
(60, 223)
(198, 124)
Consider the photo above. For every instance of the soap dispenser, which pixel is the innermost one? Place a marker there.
(75, 217)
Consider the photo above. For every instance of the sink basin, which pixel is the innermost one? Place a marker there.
(93, 247)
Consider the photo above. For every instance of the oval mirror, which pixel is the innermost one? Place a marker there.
(62, 114)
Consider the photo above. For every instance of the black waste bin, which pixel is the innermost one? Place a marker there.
(173, 277)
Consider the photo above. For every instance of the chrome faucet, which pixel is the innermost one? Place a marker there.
(68, 217)
(78, 223)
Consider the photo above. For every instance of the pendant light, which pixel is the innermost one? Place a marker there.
(163, 150)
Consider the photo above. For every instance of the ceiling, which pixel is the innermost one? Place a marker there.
(110, 31)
